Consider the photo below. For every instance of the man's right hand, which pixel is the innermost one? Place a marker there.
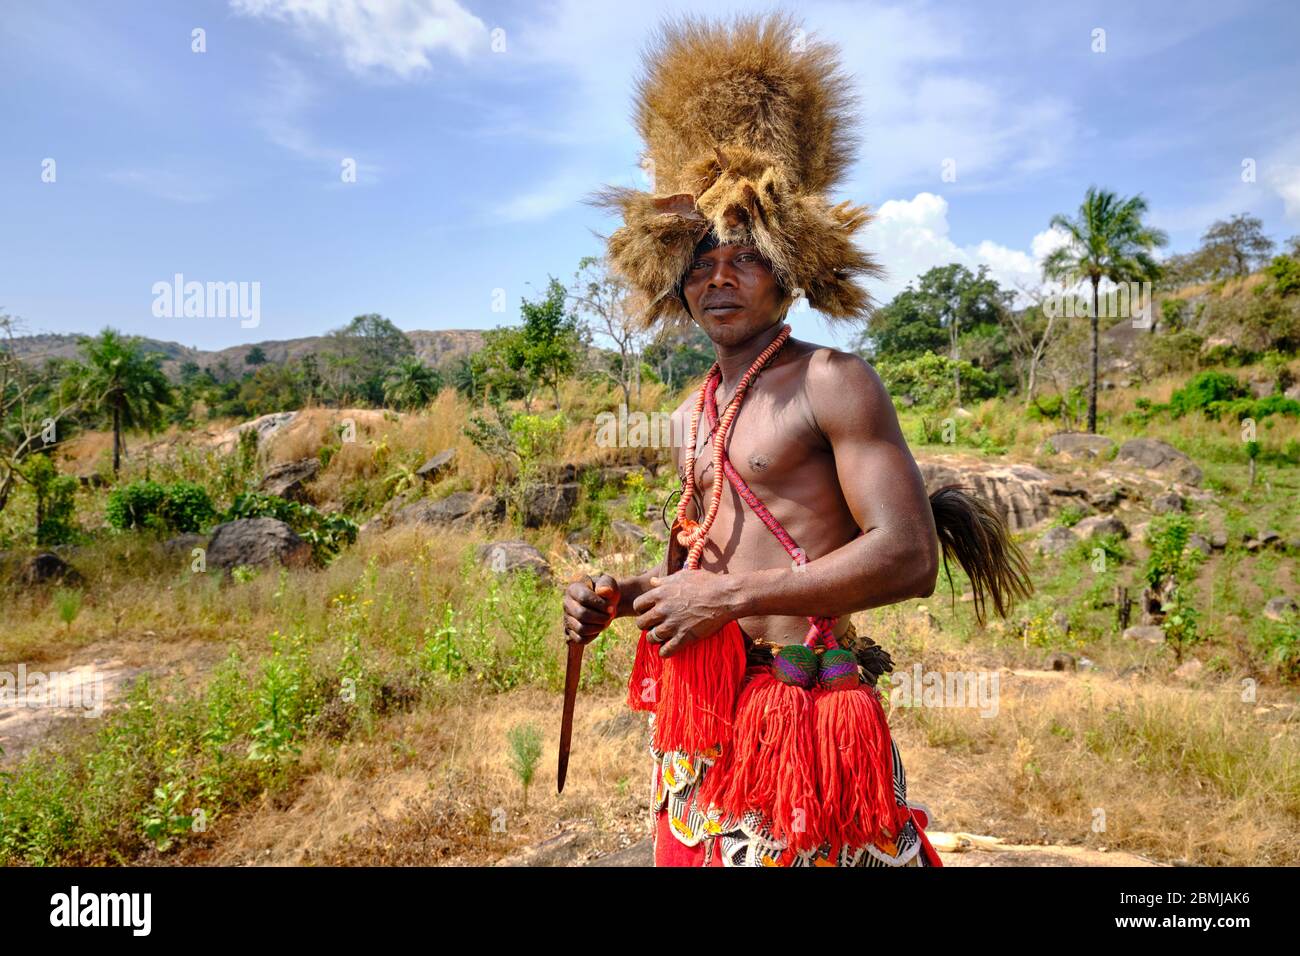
(589, 608)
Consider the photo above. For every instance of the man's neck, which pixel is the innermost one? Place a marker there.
(734, 360)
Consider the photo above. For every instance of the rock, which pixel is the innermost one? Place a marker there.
(1200, 543)
(1018, 492)
(1218, 540)
(1079, 445)
(548, 504)
(265, 426)
(288, 480)
(566, 849)
(1168, 503)
(1061, 661)
(438, 466)
(1146, 633)
(504, 557)
(1261, 388)
(1189, 670)
(1159, 456)
(1099, 526)
(1062, 622)
(1269, 538)
(1279, 607)
(638, 854)
(1107, 500)
(382, 519)
(1057, 541)
(616, 474)
(579, 544)
(458, 509)
(256, 542)
(625, 532)
(46, 568)
(184, 544)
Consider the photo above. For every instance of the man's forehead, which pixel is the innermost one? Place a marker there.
(709, 246)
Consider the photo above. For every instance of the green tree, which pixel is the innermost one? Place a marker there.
(122, 382)
(551, 341)
(412, 384)
(1107, 240)
(362, 354)
(255, 356)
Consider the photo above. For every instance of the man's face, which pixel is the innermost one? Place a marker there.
(732, 293)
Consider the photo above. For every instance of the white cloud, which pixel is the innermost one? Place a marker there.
(910, 236)
(385, 36)
(1285, 181)
(555, 195)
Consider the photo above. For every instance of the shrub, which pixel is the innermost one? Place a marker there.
(135, 505)
(1204, 389)
(186, 507)
(1285, 272)
(928, 380)
(327, 534)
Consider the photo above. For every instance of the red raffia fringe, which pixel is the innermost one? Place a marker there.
(697, 692)
(855, 768)
(770, 765)
(647, 669)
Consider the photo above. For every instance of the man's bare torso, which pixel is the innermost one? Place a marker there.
(777, 448)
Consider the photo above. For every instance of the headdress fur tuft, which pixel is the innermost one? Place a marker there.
(747, 126)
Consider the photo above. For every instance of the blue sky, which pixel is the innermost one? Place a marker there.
(472, 162)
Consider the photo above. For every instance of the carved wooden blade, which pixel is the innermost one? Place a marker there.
(572, 674)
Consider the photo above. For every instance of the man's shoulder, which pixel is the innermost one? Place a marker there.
(828, 367)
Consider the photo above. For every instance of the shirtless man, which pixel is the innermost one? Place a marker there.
(818, 441)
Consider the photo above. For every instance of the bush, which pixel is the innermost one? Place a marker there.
(1204, 389)
(182, 506)
(135, 505)
(1286, 275)
(928, 380)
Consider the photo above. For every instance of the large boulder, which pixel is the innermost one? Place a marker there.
(1279, 608)
(1100, 526)
(1020, 493)
(438, 466)
(548, 504)
(256, 542)
(1057, 540)
(1159, 456)
(504, 557)
(458, 509)
(1170, 502)
(1079, 445)
(265, 426)
(288, 480)
(47, 568)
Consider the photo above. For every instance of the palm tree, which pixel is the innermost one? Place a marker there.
(1108, 240)
(411, 384)
(121, 380)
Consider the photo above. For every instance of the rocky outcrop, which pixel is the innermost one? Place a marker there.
(548, 504)
(437, 467)
(503, 557)
(1057, 540)
(256, 542)
(1020, 493)
(1158, 456)
(47, 568)
(289, 480)
(265, 426)
(1100, 526)
(1079, 445)
(1169, 503)
(459, 509)
(1145, 633)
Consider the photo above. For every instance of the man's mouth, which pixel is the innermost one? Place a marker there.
(723, 308)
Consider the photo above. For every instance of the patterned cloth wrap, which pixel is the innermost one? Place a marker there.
(747, 841)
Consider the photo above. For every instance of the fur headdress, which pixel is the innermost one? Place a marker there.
(746, 127)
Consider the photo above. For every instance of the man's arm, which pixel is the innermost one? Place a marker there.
(897, 556)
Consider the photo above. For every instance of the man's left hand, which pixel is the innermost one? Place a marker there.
(686, 606)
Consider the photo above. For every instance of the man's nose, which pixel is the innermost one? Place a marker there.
(723, 273)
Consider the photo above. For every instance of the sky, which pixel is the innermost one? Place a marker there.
(428, 159)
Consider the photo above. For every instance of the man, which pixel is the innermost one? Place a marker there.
(801, 501)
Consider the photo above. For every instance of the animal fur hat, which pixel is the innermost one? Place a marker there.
(747, 126)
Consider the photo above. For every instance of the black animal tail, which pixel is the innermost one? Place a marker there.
(976, 537)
